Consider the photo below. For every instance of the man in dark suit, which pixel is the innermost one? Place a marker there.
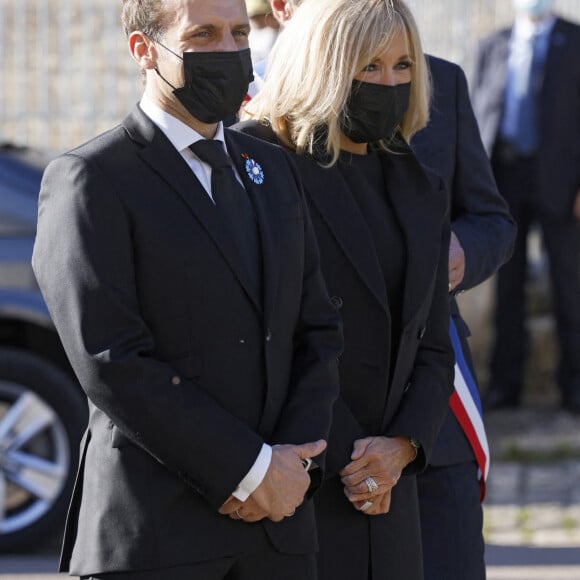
(202, 333)
(525, 97)
(482, 239)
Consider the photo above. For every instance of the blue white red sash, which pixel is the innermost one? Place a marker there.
(466, 406)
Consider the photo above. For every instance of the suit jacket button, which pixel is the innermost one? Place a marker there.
(421, 332)
(336, 301)
(176, 380)
(268, 336)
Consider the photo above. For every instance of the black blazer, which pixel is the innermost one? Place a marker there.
(559, 115)
(187, 374)
(451, 146)
(415, 402)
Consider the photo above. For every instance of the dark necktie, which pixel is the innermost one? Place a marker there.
(526, 137)
(233, 204)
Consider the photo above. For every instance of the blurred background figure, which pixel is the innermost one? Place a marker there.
(264, 29)
(525, 95)
(453, 485)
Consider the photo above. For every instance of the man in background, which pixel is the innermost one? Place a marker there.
(264, 29)
(453, 485)
(525, 94)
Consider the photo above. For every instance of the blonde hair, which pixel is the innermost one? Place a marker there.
(313, 64)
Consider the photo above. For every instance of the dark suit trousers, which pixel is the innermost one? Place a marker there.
(451, 523)
(449, 504)
(264, 564)
(561, 237)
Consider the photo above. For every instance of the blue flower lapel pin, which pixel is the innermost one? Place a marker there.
(254, 170)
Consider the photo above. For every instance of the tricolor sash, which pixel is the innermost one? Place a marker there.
(466, 406)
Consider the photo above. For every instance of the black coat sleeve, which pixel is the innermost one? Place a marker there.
(480, 216)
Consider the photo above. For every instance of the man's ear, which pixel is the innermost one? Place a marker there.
(282, 10)
(143, 50)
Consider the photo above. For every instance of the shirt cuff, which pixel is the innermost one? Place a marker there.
(255, 476)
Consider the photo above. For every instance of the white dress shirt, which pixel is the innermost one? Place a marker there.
(520, 66)
(181, 137)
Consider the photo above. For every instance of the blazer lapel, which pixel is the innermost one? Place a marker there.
(162, 158)
(258, 193)
(418, 210)
(331, 195)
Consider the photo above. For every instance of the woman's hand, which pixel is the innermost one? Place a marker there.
(380, 460)
(380, 504)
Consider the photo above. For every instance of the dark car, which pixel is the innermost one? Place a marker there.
(43, 411)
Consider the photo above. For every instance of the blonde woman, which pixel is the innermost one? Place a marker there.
(346, 87)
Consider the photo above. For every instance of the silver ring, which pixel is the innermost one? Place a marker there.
(240, 516)
(371, 484)
(290, 514)
(366, 505)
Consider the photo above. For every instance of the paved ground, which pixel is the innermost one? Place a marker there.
(532, 510)
(534, 487)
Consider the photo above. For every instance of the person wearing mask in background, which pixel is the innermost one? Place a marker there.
(383, 230)
(452, 486)
(525, 97)
(181, 269)
(264, 30)
(282, 11)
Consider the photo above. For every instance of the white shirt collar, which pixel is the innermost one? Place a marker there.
(525, 28)
(179, 134)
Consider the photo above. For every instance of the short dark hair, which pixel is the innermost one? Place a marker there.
(147, 16)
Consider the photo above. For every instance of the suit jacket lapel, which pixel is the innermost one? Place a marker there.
(418, 210)
(501, 52)
(331, 195)
(552, 65)
(259, 196)
(162, 157)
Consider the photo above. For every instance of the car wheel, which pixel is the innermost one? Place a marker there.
(42, 417)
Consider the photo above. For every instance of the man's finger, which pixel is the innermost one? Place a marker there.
(309, 450)
(230, 506)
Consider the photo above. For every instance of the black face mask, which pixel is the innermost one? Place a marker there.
(215, 83)
(373, 112)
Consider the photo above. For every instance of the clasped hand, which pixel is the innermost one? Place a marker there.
(456, 262)
(283, 488)
(382, 459)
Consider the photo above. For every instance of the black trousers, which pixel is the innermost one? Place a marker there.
(262, 563)
(451, 523)
(256, 567)
(561, 238)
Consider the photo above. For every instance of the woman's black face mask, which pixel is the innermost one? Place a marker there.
(373, 111)
(215, 83)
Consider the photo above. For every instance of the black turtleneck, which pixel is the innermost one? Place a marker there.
(364, 174)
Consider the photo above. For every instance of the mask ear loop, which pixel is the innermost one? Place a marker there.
(168, 49)
(156, 69)
(163, 78)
